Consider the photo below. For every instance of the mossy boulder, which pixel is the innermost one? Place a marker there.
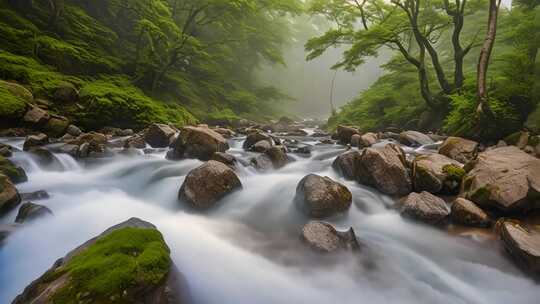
(504, 178)
(56, 126)
(14, 173)
(66, 93)
(128, 263)
(436, 173)
(9, 196)
(14, 100)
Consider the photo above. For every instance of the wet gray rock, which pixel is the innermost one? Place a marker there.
(9, 196)
(225, 158)
(324, 238)
(414, 138)
(254, 137)
(321, 197)
(459, 149)
(73, 130)
(503, 178)
(425, 207)
(205, 185)
(35, 141)
(30, 211)
(261, 146)
(466, 213)
(346, 164)
(385, 169)
(159, 135)
(523, 244)
(34, 196)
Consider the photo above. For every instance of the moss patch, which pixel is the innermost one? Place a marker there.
(115, 102)
(113, 267)
(15, 174)
(454, 173)
(12, 106)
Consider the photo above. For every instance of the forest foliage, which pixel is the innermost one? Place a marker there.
(430, 83)
(142, 61)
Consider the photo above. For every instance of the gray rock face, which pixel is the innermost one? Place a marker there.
(35, 140)
(459, 149)
(159, 135)
(205, 185)
(199, 142)
(425, 207)
(346, 164)
(384, 169)
(172, 289)
(504, 178)
(345, 133)
(523, 245)
(435, 173)
(254, 137)
(466, 213)
(414, 138)
(261, 146)
(324, 238)
(36, 116)
(9, 196)
(225, 158)
(30, 211)
(321, 197)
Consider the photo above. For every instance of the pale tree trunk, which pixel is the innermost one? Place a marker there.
(483, 108)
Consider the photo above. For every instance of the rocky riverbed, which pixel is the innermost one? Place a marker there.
(276, 213)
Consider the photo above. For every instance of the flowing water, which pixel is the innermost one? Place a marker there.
(247, 250)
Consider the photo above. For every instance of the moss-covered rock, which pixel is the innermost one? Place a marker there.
(128, 263)
(15, 174)
(56, 126)
(436, 173)
(9, 196)
(14, 100)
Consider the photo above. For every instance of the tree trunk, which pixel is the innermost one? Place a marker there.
(459, 53)
(483, 108)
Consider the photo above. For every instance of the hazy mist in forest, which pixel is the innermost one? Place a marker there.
(309, 82)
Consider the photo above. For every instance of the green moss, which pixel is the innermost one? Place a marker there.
(56, 127)
(12, 106)
(125, 260)
(115, 102)
(454, 173)
(481, 196)
(42, 79)
(15, 174)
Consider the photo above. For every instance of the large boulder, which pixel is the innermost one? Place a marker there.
(436, 173)
(425, 207)
(345, 133)
(36, 116)
(385, 169)
(30, 211)
(277, 156)
(523, 245)
(459, 149)
(324, 238)
(365, 140)
(56, 126)
(207, 184)
(321, 197)
(414, 138)
(35, 140)
(346, 164)
(159, 135)
(254, 137)
(225, 158)
(14, 173)
(198, 142)
(467, 213)
(128, 263)
(504, 178)
(66, 93)
(6, 150)
(261, 146)
(9, 196)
